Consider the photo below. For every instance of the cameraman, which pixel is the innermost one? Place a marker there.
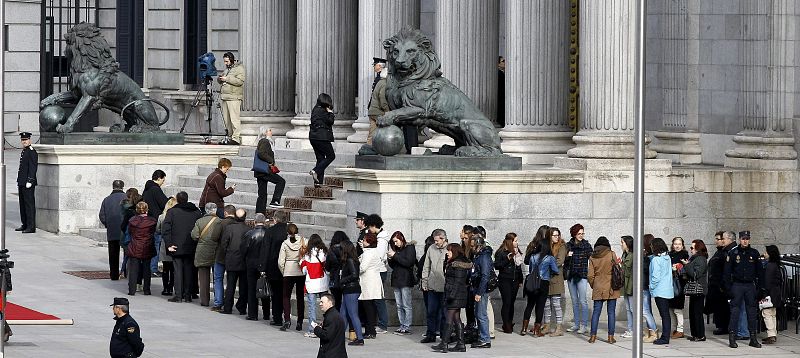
(231, 88)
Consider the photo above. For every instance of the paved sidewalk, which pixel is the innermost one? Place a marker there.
(188, 330)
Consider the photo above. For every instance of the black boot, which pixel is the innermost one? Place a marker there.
(754, 340)
(459, 347)
(445, 334)
(732, 340)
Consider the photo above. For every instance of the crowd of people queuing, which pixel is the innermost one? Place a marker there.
(270, 258)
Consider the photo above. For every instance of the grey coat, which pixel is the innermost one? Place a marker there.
(697, 269)
(433, 269)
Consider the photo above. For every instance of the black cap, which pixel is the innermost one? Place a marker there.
(25, 135)
(378, 60)
(120, 301)
(743, 234)
(360, 215)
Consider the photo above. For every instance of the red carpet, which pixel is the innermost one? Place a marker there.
(17, 312)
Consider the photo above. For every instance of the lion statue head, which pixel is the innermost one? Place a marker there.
(410, 56)
(86, 50)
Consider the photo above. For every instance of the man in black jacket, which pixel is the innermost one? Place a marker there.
(275, 236)
(111, 217)
(26, 183)
(252, 250)
(717, 299)
(229, 217)
(231, 242)
(331, 331)
(153, 195)
(177, 235)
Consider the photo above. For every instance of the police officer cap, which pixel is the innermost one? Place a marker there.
(25, 135)
(360, 215)
(120, 301)
(743, 234)
(376, 60)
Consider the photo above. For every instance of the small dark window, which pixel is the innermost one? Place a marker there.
(130, 38)
(195, 37)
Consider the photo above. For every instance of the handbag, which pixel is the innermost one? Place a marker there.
(693, 288)
(260, 166)
(617, 275)
(262, 287)
(765, 303)
(274, 169)
(533, 281)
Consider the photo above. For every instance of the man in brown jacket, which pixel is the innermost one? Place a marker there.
(215, 190)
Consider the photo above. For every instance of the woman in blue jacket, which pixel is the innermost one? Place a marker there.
(541, 259)
(661, 285)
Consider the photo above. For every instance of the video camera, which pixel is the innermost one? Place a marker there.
(206, 70)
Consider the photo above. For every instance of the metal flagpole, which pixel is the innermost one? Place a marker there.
(638, 178)
(3, 195)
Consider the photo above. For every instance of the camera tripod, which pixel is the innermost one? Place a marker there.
(209, 99)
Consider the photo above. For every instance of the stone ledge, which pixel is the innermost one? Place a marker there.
(133, 154)
(599, 164)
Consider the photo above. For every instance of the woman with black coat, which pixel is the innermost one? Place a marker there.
(350, 288)
(677, 255)
(402, 259)
(333, 264)
(773, 281)
(696, 269)
(508, 261)
(321, 136)
(456, 294)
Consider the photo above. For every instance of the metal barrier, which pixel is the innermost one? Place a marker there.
(791, 291)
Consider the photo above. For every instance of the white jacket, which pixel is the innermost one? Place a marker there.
(313, 265)
(383, 248)
(370, 277)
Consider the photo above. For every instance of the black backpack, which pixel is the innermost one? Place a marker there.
(533, 281)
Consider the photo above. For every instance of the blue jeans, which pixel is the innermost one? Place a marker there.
(311, 302)
(647, 310)
(611, 310)
(434, 316)
(219, 271)
(350, 310)
(482, 317)
(629, 312)
(380, 306)
(580, 306)
(402, 297)
(154, 260)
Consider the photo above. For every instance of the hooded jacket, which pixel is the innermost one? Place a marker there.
(370, 278)
(313, 266)
(142, 228)
(402, 264)
(289, 257)
(456, 283)
(661, 276)
(599, 274)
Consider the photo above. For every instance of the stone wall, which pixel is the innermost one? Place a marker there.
(21, 87)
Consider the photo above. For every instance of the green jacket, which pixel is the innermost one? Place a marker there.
(207, 244)
(378, 105)
(627, 268)
(232, 88)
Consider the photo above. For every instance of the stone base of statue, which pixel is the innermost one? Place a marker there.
(437, 162)
(101, 138)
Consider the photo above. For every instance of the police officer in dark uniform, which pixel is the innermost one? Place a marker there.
(362, 230)
(26, 182)
(742, 270)
(126, 340)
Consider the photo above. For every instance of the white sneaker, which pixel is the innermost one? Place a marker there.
(627, 334)
(380, 330)
(581, 330)
(309, 335)
(276, 205)
(572, 329)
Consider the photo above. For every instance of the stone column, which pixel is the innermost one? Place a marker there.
(467, 42)
(326, 44)
(607, 76)
(537, 64)
(767, 60)
(268, 42)
(377, 21)
(679, 30)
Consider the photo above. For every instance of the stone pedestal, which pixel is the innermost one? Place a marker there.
(377, 21)
(537, 127)
(333, 68)
(680, 147)
(74, 179)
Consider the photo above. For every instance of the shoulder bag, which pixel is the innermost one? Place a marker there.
(617, 275)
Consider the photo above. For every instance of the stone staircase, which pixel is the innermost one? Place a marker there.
(314, 210)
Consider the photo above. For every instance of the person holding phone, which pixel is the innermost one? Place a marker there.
(214, 190)
(321, 137)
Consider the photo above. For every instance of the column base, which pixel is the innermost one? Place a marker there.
(606, 147)
(361, 128)
(766, 153)
(536, 147)
(252, 123)
(609, 164)
(681, 148)
(342, 128)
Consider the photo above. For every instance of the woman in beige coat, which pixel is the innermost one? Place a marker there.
(289, 264)
(553, 305)
(599, 275)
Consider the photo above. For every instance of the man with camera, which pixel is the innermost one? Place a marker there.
(231, 89)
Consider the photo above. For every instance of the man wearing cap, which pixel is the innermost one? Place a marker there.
(742, 270)
(26, 182)
(378, 105)
(126, 340)
(362, 230)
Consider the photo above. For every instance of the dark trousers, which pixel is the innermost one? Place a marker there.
(276, 286)
(508, 294)
(324, 152)
(252, 301)
(27, 207)
(435, 315)
(410, 137)
(137, 267)
(337, 295)
(743, 292)
(204, 280)
(230, 289)
(113, 259)
(299, 283)
(194, 287)
(720, 308)
(470, 310)
(696, 322)
(370, 316)
(663, 310)
(262, 180)
(537, 301)
(183, 276)
(168, 275)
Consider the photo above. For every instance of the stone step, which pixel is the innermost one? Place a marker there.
(197, 182)
(96, 234)
(326, 232)
(319, 219)
(290, 168)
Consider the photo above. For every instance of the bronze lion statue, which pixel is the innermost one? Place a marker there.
(97, 83)
(418, 95)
